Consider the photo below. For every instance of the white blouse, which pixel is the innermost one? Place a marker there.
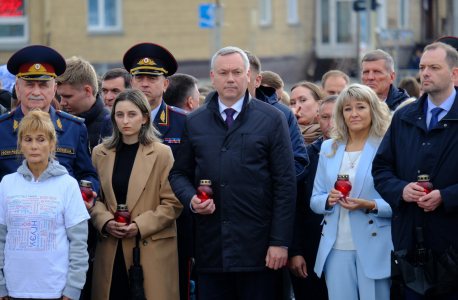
(344, 240)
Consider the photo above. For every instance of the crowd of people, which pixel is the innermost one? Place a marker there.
(321, 190)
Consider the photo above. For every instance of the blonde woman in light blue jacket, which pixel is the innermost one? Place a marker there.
(355, 245)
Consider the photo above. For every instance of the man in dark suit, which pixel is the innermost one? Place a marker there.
(243, 146)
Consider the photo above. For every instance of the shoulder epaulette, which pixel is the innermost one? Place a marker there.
(178, 110)
(70, 117)
(6, 116)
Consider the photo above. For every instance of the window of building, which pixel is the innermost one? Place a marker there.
(265, 9)
(324, 21)
(14, 23)
(336, 29)
(292, 11)
(104, 16)
(403, 18)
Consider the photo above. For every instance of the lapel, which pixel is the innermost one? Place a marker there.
(143, 165)
(162, 119)
(107, 160)
(334, 164)
(239, 120)
(414, 113)
(364, 165)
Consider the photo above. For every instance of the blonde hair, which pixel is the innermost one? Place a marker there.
(148, 133)
(380, 115)
(40, 121)
(78, 74)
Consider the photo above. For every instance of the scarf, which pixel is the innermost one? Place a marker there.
(310, 132)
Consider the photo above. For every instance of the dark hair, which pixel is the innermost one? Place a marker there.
(255, 63)
(118, 72)
(411, 85)
(181, 86)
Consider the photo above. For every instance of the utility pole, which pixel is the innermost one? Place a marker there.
(369, 24)
(218, 25)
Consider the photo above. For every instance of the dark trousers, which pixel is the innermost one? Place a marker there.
(450, 296)
(310, 288)
(184, 277)
(237, 286)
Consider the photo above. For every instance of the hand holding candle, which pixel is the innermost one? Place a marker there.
(343, 185)
(86, 190)
(122, 215)
(423, 181)
(204, 191)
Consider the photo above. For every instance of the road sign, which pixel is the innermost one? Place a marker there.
(207, 14)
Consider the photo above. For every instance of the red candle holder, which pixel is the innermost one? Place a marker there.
(86, 190)
(204, 191)
(343, 184)
(423, 181)
(122, 215)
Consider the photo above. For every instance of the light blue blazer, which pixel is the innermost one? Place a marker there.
(371, 231)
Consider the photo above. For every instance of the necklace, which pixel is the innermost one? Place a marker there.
(352, 163)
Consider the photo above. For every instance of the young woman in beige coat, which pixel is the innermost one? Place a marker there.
(133, 168)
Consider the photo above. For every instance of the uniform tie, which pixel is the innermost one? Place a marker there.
(434, 118)
(229, 116)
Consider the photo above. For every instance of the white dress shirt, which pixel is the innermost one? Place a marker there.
(155, 111)
(237, 107)
(446, 106)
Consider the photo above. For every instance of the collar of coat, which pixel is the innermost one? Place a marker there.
(143, 164)
(90, 115)
(214, 107)
(414, 113)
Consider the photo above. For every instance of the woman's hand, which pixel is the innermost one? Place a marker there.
(132, 230)
(90, 203)
(333, 197)
(116, 229)
(6, 298)
(63, 298)
(296, 112)
(355, 204)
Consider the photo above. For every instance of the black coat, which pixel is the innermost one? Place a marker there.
(307, 224)
(5, 99)
(251, 167)
(395, 97)
(93, 118)
(409, 150)
(301, 160)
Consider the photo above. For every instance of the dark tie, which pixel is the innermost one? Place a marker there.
(229, 116)
(434, 117)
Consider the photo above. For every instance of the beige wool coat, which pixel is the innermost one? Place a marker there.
(153, 207)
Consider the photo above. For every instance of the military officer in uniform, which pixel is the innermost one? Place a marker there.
(150, 65)
(36, 68)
